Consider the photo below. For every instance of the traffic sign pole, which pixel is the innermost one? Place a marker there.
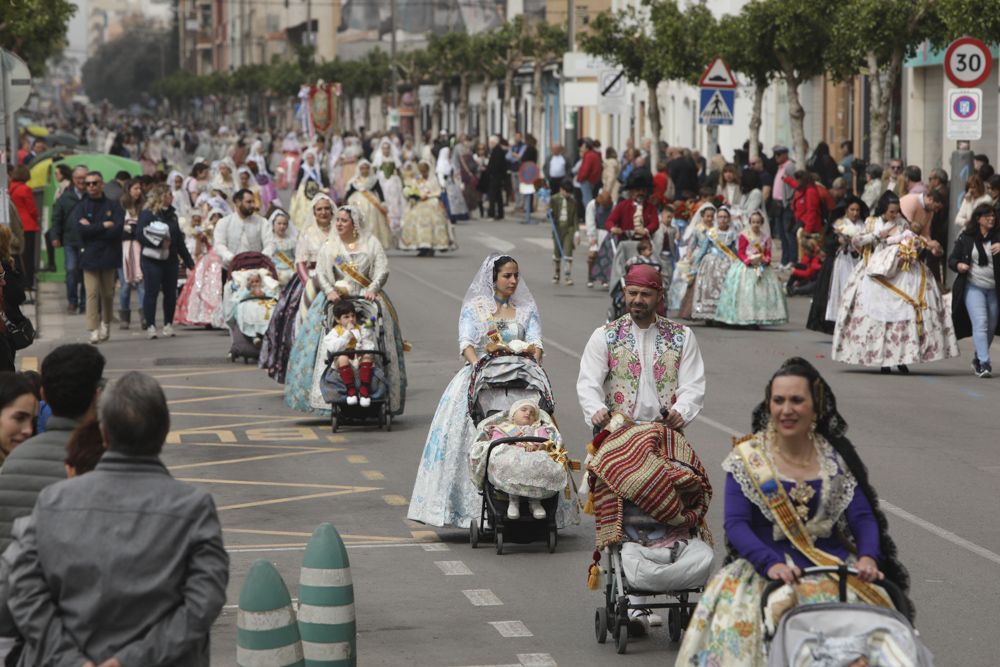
(4, 104)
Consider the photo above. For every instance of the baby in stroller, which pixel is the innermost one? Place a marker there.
(531, 470)
(254, 297)
(350, 334)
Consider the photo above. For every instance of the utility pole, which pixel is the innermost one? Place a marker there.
(571, 23)
(392, 53)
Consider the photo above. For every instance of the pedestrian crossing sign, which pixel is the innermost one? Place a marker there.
(716, 106)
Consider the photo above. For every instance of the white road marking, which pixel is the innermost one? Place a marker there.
(494, 243)
(483, 597)
(536, 660)
(436, 546)
(252, 550)
(932, 528)
(512, 629)
(453, 567)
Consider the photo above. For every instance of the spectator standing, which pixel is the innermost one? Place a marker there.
(808, 208)
(152, 548)
(555, 170)
(99, 221)
(893, 177)
(919, 208)
(975, 194)
(976, 291)
(874, 186)
(115, 188)
(609, 174)
(783, 221)
(847, 164)
(913, 179)
(589, 175)
(24, 202)
(514, 156)
(18, 407)
(758, 165)
(160, 251)
(683, 173)
(66, 235)
(71, 378)
(11, 298)
(492, 181)
(130, 272)
(823, 165)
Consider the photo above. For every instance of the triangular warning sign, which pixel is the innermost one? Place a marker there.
(717, 109)
(717, 75)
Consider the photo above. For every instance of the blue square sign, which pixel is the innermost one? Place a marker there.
(716, 106)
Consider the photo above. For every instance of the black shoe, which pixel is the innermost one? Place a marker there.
(903, 369)
(886, 370)
(985, 370)
(976, 368)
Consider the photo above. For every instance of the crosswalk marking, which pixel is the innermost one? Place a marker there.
(483, 597)
(453, 567)
(512, 629)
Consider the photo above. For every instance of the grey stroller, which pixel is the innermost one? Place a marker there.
(626, 254)
(844, 634)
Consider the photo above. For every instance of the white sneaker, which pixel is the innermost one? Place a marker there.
(168, 331)
(105, 331)
(95, 337)
(514, 508)
(364, 401)
(537, 510)
(150, 332)
(655, 620)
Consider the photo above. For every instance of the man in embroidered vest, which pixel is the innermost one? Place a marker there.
(642, 365)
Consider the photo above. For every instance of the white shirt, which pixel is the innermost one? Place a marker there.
(557, 166)
(690, 378)
(234, 235)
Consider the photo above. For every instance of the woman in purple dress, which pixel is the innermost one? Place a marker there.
(797, 495)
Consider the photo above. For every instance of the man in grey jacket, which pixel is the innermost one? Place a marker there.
(123, 566)
(71, 377)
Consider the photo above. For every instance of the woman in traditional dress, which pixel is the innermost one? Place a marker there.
(715, 254)
(497, 300)
(365, 193)
(346, 165)
(182, 202)
(425, 223)
(798, 452)
(247, 182)
(350, 263)
(200, 301)
(467, 171)
(752, 294)
(695, 236)
(395, 201)
(453, 199)
(840, 257)
(300, 292)
(892, 312)
(311, 170)
(223, 178)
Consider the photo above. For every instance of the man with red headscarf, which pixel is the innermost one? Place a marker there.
(642, 364)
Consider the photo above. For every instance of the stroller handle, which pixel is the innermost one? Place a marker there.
(892, 590)
(506, 441)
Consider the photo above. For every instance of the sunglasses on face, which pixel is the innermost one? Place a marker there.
(92, 183)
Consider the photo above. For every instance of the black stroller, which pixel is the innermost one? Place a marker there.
(500, 379)
(242, 346)
(332, 386)
(626, 254)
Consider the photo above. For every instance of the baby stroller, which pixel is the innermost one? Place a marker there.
(626, 254)
(843, 633)
(650, 526)
(499, 379)
(241, 345)
(332, 386)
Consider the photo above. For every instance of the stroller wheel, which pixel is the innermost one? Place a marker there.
(621, 643)
(552, 539)
(675, 624)
(474, 534)
(499, 542)
(601, 625)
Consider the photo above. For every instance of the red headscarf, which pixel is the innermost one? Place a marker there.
(644, 275)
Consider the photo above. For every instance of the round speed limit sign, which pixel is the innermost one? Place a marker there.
(968, 62)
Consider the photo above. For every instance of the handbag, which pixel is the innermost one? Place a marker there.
(22, 334)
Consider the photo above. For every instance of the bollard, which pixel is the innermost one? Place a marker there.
(326, 602)
(266, 632)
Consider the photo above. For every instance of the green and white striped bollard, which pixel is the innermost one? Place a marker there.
(326, 602)
(266, 632)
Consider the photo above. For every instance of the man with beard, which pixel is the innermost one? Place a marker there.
(642, 365)
(240, 231)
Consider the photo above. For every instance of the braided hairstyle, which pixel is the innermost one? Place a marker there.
(832, 426)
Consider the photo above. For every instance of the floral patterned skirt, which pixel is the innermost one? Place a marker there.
(751, 296)
(426, 227)
(727, 629)
(708, 286)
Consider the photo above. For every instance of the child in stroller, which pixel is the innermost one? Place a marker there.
(521, 469)
(347, 335)
(248, 301)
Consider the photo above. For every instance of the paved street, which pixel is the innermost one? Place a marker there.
(424, 597)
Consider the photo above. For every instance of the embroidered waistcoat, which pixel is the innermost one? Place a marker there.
(621, 387)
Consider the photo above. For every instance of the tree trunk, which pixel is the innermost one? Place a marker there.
(756, 119)
(882, 78)
(653, 108)
(463, 104)
(436, 110)
(796, 113)
(350, 113)
(537, 106)
(484, 110)
(368, 111)
(508, 99)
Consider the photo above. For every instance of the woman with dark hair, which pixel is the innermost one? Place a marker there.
(18, 407)
(84, 448)
(806, 202)
(11, 298)
(24, 200)
(976, 291)
(892, 312)
(797, 495)
(497, 303)
(838, 265)
(823, 165)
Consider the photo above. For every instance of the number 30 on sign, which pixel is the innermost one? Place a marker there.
(968, 62)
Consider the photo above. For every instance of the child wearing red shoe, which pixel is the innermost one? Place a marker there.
(346, 336)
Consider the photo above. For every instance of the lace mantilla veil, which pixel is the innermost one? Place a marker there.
(480, 303)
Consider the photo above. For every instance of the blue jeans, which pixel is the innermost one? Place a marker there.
(75, 293)
(528, 199)
(159, 276)
(587, 190)
(782, 229)
(983, 312)
(125, 295)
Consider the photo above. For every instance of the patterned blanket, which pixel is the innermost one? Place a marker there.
(656, 469)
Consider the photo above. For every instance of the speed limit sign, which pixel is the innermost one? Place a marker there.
(968, 62)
